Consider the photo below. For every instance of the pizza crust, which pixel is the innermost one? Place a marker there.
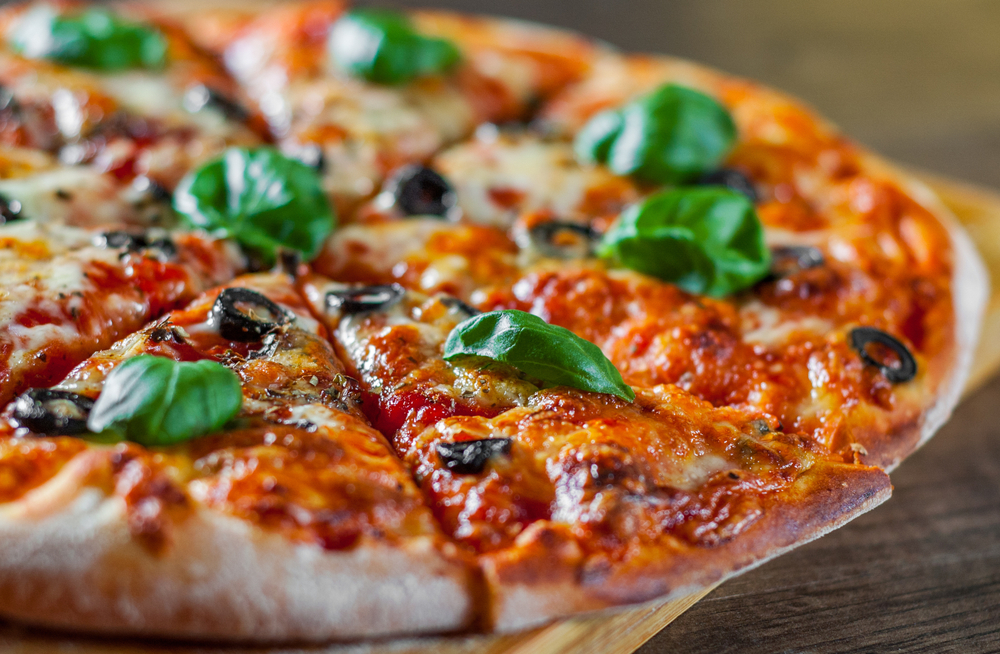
(970, 288)
(822, 499)
(69, 562)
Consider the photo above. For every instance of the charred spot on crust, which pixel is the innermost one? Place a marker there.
(241, 314)
(470, 457)
(364, 298)
(52, 412)
(902, 370)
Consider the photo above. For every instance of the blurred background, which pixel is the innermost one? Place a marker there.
(918, 80)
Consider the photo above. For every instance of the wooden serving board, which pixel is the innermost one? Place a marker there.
(616, 633)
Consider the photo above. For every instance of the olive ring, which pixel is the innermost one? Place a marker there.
(470, 457)
(235, 324)
(907, 368)
(364, 298)
(790, 259)
(543, 237)
(32, 412)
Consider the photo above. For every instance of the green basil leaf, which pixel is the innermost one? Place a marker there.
(381, 46)
(94, 38)
(552, 354)
(704, 239)
(156, 401)
(670, 136)
(593, 143)
(259, 197)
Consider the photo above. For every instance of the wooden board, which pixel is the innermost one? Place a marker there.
(618, 633)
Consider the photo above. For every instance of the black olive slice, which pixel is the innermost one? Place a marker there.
(51, 412)
(136, 242)
(200, 96)
(10, 210)
(789, 259)
(564, 240)
(289, 261)
(458, 305)
(904, 371)
(364, 298)
(152, 188)
(420, 191)
(732, 179)
(244, 315)
(470, 457)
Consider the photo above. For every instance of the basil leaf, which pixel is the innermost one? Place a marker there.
(381, 46)
(156, 401)
(704, 239)
(94, 38)
(593, 143)
(552, 354)
(259, 197)
(670, 136)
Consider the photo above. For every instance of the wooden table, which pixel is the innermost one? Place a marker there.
(919, 81)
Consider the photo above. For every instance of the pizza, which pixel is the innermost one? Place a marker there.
(324, 323)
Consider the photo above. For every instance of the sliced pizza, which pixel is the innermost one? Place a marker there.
(570, 498)
(431, 81)
(245, 498)
(143, 103)
(69, 292)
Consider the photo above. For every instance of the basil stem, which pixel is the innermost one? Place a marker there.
(546, 352)
(704, 239)
(156, 401)
(94, 38)
(670, 136)
(381, 46)
(259, 197)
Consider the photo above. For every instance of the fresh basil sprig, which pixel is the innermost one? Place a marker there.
(93, 38)
(670, 136)
(259, 197)
(381, 46)
(156, 401)
(552, 354)
(704, 239)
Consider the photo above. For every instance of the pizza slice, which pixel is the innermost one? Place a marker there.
(834, 310)
(247, 498)
(574, 500)
(69, 292)
(112, 89)
(36, 187)
(434, 78)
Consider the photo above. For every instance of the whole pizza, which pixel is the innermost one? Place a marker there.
(330, 323)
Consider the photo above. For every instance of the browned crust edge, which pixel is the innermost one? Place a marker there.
(827, 496)
(69, 561)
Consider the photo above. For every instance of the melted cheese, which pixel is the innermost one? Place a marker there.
(497, 178)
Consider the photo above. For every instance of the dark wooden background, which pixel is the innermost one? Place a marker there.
(918, 80)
